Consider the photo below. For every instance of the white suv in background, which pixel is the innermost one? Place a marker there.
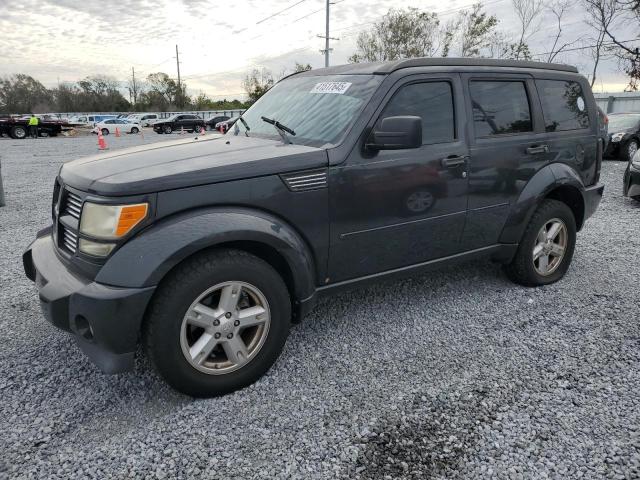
(144, 119)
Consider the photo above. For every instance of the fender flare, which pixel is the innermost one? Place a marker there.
(548, 179)
(148, 257)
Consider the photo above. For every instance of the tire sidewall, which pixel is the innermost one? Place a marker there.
(564, 213)
(167, 352)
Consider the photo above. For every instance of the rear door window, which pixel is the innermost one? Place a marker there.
(500, 107)
(431, 101)
(563, 105)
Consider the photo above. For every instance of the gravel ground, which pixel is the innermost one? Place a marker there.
(458, 374)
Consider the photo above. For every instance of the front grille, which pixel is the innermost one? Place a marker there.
(72, 205)
(69, 239)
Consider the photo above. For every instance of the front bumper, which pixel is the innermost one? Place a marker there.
(592, 197)
(632, 181)
(105, 320)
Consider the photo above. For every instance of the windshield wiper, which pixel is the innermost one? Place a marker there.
(281, 129)
(236, 129)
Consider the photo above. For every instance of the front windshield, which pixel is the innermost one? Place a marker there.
(319, 109)
(621, 122)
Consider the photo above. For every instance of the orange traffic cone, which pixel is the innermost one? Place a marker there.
(117, 132)
(202, 131)
(102, 144)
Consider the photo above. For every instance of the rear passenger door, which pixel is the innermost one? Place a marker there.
(507, 147)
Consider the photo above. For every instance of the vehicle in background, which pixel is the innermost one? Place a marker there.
(18, 126)
(631, 182)
(89, 120)
(145, 119)
(624, 135)
(225, 125)
(213, 121)
(109, 126)
(181, 121)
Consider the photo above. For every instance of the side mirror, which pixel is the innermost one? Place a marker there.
(396, 133)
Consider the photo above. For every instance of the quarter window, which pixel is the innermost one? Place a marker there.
(500, 107)
(431, 101)
(563, 105)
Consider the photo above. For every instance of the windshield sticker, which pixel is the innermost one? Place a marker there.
(331, 87)
(580, 103)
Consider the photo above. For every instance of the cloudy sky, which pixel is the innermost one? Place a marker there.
(219, 41)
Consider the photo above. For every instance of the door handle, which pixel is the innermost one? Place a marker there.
(454, 161)
(537, 149)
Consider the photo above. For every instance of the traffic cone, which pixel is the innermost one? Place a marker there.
(102, 144)
(117, 132)
(202, 131)
(181, 130)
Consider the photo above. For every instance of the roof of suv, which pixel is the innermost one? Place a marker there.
(382, 68)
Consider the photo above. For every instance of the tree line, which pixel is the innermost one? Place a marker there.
(159, 92)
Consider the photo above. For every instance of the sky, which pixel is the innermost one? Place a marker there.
(220, 41)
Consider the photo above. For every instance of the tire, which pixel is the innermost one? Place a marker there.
(167, 129)
(105, 131)
(524, 268)
(135, 130)
(169, 337)
(18, 132)
(628, 151)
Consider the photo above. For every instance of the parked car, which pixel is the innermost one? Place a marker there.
(144, 119)
(109, 126)
(207, 250)
(603, 128)
(624, 135)
(212, 122)
(225, 125)
(631, 182)
(181, 121)
(89, 120)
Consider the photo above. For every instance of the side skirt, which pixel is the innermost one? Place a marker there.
(500, 253)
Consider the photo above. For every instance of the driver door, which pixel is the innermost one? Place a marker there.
(395, 208)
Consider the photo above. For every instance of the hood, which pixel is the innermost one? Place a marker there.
(613, 131)
(185, 163)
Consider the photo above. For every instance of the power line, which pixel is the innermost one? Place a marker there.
(281, 11)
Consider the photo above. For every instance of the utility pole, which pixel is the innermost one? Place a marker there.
(327, 38)
(179, 95)
(133, 91)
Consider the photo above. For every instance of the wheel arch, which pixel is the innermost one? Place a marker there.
(148, 258)
(556, 181)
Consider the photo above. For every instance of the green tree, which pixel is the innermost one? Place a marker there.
(256, 83)
(23, 94)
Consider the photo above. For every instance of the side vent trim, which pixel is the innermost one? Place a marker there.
(305, 181)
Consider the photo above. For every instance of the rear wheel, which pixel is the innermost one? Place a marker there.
(105, 131)
(547, 246)
(18, 132)
(218, 323)
(134, 130)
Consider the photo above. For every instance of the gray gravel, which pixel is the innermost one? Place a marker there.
(459, 374)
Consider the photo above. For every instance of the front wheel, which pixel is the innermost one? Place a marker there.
(218, 323)
(135, 130)
(105, 131)
(167, 129)
(547, 246)
(18, 132)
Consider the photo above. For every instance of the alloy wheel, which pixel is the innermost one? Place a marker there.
(225, 327)
(550, 247)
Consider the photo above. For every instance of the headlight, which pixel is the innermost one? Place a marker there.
(94, 248)
(616, 137)
(635, 161)
(109, 222)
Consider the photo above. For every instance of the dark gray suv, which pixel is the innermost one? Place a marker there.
(208, 249)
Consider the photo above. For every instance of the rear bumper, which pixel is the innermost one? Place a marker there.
(104, 320)
(592, 198)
